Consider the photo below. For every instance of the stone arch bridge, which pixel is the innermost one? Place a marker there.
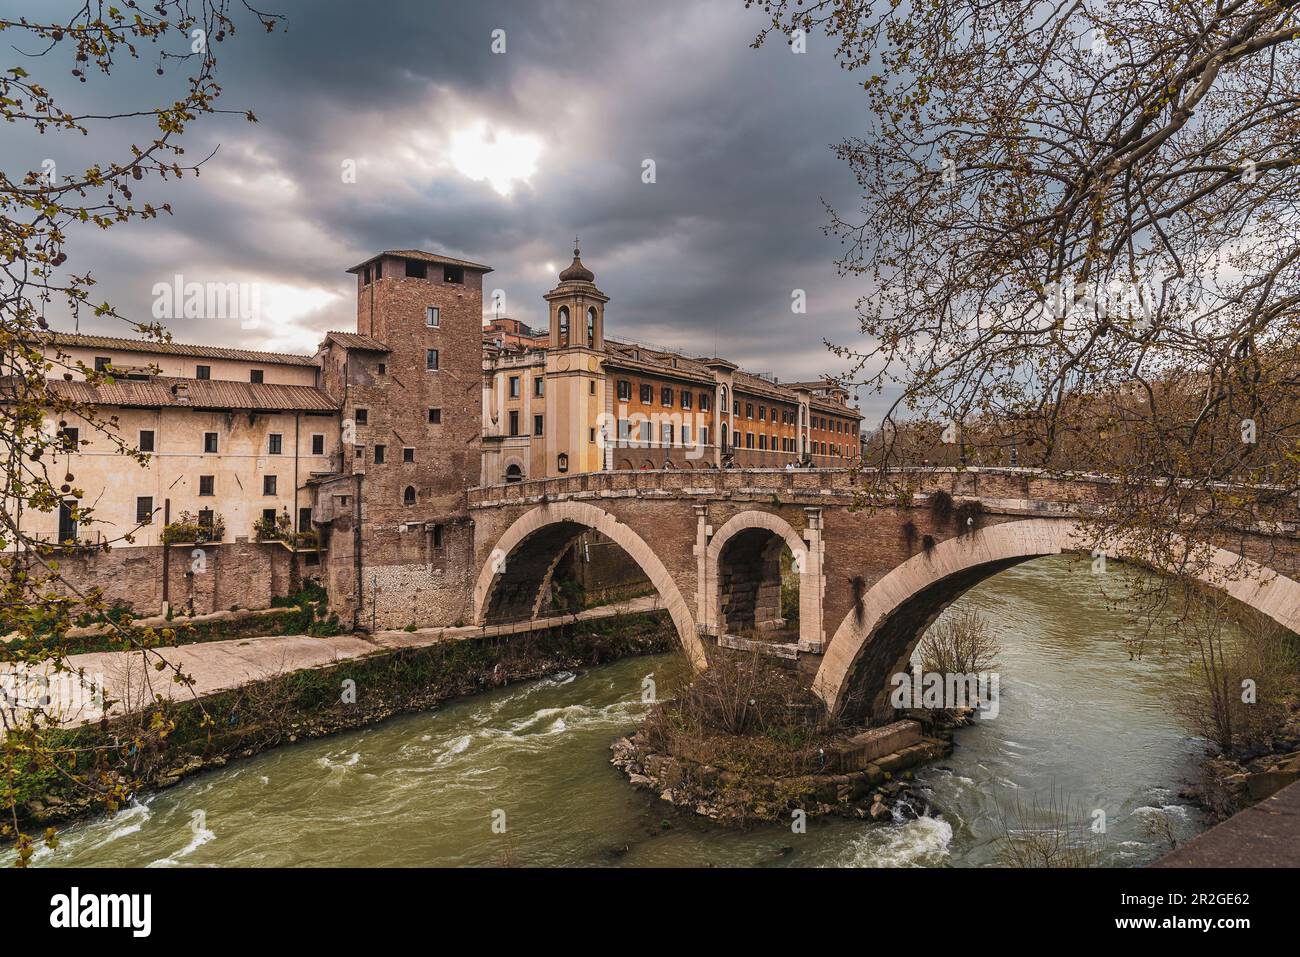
(871, 580)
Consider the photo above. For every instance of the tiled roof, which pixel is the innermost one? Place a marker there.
(351, 340)
(172, 348)
(423, 256)
(165, 391)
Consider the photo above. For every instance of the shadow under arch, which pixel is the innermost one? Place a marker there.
(808, 566)
(512, 573)
(895, 612)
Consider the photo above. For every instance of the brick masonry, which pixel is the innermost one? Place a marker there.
(199, 579)
(872, 579)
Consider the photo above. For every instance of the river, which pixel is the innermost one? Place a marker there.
(1077, 717)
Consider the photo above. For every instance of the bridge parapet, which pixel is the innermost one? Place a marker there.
(1001, 484)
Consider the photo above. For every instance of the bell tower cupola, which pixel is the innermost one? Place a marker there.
(577, 308)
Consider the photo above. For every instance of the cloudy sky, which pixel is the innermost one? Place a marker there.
(502, 158)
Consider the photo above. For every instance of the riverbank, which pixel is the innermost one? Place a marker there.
(295, 704)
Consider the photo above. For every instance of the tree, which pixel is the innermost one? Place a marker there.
(1080, 229)
(40, 210)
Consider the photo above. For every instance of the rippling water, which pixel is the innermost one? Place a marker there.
(1076, 716)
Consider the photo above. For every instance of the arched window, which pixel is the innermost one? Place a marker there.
(564, 325)
(724, 407)
(514, 473)
(724, 424)
(591, 326)
(562, 462)
(408, 497)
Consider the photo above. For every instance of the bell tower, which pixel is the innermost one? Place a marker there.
(575, 377)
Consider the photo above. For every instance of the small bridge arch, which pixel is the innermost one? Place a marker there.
(876, 639)
(522, 558)
(766, 532)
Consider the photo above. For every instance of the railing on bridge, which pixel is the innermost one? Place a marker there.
(993, 482)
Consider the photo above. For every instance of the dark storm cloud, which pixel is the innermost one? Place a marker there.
(705, 258)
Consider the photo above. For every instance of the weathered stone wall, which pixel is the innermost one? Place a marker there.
(199, 579)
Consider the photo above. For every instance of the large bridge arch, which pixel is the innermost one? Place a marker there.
(550, 525)
(876, 639)
(809, 562)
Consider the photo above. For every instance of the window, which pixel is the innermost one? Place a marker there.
(749, 410)
(408, 454)
(432, 318)
(704, 402)
(408, 497)
(268, 484)
(666, 397)
(435, 416)
(735, 407)
(275, 443)
(624, 390)
(562, 462)
(539, 387)
(209, 443)
(70, 438)
(146, 440)
(144, 510)
(379, 269)
(67, 521)
(102, 363)
(591, 435)
(203, 372)
(564, 325)
(437, 536)
(686, 434)
(537, 425)
(762, 441)
(724, 436)
(382, 368)
(269, 517)
(514, 421)
(318, 444)
(207, 484)
(431, 360)
(453, 274)
(749, 440)
(666, 434)
(704, 435)
(206, 517)
(591, 387)
(514, 473)
(724, 397)
(686, 399)
(416, 269)
(591, 325)
(380, 452)
(647, 432)
(514, 387)
(647, 394)
(255, 376)
(362, 416)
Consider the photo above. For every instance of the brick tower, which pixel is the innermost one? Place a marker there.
(409, 384)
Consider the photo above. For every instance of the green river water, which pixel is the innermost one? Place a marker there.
(1075, 715)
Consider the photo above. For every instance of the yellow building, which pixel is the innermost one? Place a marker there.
(585, 403)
